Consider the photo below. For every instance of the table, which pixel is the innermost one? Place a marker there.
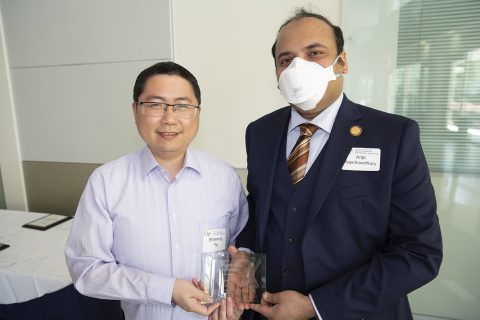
(34, 279)
(35, 263)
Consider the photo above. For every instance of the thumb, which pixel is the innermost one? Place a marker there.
(202, 296)
(232, 249)
(271, 297)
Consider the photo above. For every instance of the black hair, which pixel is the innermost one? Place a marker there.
(170, 68)
(301, 13)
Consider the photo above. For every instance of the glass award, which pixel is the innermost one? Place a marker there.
(239, 275)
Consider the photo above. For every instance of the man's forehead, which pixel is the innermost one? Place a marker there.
(167, 85)
(306, 27)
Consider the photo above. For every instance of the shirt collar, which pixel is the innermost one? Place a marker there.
(324, 120)
(191, 161)
(149, 162)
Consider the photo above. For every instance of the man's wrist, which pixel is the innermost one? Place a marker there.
(317, 314)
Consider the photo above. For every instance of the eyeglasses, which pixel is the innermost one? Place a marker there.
(157, 109)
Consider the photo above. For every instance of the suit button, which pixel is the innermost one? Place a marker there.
(293, 209)
(286, 273)
(289, 241)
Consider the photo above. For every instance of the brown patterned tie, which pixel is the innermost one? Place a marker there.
(297, 160)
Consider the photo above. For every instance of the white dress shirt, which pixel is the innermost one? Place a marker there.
(135, 231)
(324, 121)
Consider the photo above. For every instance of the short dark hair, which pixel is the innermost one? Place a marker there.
(301, 13)
(170, 68)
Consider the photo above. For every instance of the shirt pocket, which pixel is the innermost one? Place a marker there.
(206, 227)
(362, 190)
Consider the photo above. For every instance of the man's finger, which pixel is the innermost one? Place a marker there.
(214, 315)
(198, 308)
(195, 283)
(212, 308)
(230, 306)
(245, 295)
(202, 296)
(222, 311)
(251, 292)
(232, 249)
(264, 310)
(230, 287)
(238, 297)
(202, 286)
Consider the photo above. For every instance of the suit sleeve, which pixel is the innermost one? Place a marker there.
(413, 251)
(246, 238)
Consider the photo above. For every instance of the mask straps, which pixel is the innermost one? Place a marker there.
(337, 75)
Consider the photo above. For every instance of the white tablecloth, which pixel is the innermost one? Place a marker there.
(35, 263)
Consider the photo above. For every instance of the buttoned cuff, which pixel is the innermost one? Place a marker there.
(160, 289)
(319, 317)
(245, 249)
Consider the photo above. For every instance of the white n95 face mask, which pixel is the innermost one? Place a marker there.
(304, 83)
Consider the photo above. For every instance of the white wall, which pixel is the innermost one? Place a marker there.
(370, 30)
(73, 66)
(10, 158)
(226, 45)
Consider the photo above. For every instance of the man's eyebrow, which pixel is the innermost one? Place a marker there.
(315, 45)
(283, 54)
(309, 47)
(183, 99)
(155, 97)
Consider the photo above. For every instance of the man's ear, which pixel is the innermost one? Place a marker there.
(344, 63)
(134, 108)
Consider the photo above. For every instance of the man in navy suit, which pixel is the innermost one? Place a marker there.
(352, 229)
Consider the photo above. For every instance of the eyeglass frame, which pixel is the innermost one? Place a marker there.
(166, 107)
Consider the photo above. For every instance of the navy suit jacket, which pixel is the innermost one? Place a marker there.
(371, 237)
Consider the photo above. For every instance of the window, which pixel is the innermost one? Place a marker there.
(438, 80)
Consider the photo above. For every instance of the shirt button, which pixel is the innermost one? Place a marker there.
(162, 170)
(177, 246)
(289, 241)
(174, 215)
(286, 273)
(293, 209)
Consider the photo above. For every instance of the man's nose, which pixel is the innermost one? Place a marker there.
(169, 117)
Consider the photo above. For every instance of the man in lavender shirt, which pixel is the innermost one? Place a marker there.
(144, 219)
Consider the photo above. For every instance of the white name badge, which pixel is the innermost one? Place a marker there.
(363, 159)
(214, 240)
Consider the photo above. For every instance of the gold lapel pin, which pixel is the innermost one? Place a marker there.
(355, 131)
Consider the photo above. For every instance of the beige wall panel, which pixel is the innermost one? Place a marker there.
(54, 187)
(243, 173)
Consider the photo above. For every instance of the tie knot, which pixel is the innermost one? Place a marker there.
(308, 129)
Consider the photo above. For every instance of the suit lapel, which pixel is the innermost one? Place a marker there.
(272, 140)
(334, 154)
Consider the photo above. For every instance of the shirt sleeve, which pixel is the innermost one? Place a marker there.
(239, 216)
(319, 317)
(92, 265)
